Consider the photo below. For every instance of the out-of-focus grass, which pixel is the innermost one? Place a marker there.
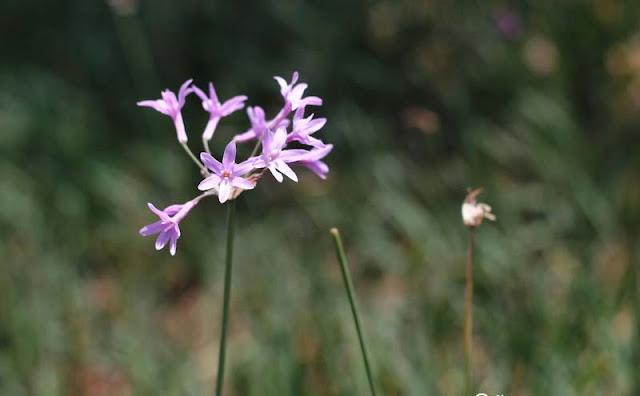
(423, 100)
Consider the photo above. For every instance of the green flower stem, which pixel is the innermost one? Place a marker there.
(468, 316)
(231, 219)
(205, 143)
(193, 157)
(352, 301)
(255, 148)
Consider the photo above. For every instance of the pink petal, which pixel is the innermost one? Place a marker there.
(210, 182)
(311, 101)
(170, 100)
(284, 168)
(279, 139)
(299, 114)
(180, 131)
(172, 209)
(317, 154)
(296, 94)
(158, 105)
(283, 85)
(245, 166)
(245, 136)
(200, 93)
(293, 155)
(210, 162)
(229, 157)
(257, 116)
(276, 174)
(157, 211)
(267, 142)
(242, 183)
(183, 92)
(163, 238)
(224, 191)
(311, 141)
(212, 94)
(256, 162)
(315, 125)
(210, 128)
(153, 228)
(318, 167)
(234, 104)
(174, 244)
(182, 213)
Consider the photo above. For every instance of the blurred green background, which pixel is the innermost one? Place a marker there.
(538, 102)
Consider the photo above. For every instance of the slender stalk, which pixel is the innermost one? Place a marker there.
(352, 301)
(468, 298)
(193, 157)
(231, 219)
(255, 148)
(205, 143)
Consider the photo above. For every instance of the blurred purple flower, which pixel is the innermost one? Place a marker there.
(273, 157)
(312, 160)
(293, 100)
(172, 106)
(216, 109)
(508, 23)
(167, 227)
(304, 127)
(258, 125)
(292, 93)
(277, 160)
(227, 174)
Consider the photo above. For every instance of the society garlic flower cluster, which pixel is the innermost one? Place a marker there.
(272, 148)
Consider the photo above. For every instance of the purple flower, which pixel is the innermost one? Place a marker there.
(292, 93)
(227, 174)
(216, 109)
(311, 159)
(304, 127)
(258, 125)
(293, 100)
(171, 106)
(274, 157)
(167, 227)
(318, 167)
(227, 178)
